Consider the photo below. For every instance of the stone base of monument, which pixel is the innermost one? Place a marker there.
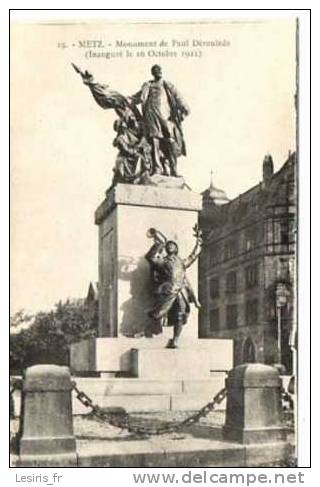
(164, 181)
(149, 378)
(164, 364)
(124, 348)
(141, 395)
(123, 356)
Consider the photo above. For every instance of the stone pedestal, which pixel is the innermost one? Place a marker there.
(254, 405)
(125, 288)
(168, 364)
(46, 427)
(114, 355)
(123, 352)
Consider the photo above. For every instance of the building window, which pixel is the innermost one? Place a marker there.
(214, 319)
(232, 316)
(281, 232)
(214, 287)
(284, 233)
(214, 255)
(291, 190)
(231, 249)
(250, 240)
(231, 282)
(284, 270)
(252, 312)
(249, 351)
(252, 275)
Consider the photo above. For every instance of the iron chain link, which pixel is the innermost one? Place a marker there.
(121, 419)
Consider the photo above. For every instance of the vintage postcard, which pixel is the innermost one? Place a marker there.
(154, 230)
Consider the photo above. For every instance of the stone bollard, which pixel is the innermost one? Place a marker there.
(254, 405)
(46, 429)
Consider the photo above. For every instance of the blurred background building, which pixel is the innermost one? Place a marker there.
(247, 267)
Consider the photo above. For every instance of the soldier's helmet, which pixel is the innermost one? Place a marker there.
(172, 247)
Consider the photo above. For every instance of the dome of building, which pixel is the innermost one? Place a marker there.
(215, 195)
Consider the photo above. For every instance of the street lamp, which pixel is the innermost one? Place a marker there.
(281, 301)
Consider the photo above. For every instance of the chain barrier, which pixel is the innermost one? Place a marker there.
(286, 399)
(119, 418)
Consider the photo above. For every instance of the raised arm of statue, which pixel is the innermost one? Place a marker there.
(196, 250)
(154, 256)
(107, 98)
(136, 98)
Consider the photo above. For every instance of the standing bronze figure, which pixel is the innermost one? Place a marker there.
(172, 290)
(163, 110)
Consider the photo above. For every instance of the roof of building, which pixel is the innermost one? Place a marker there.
(93, 292)
(214, 195)
(253, 203)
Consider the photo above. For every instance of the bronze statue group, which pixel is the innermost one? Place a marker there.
(151, 140)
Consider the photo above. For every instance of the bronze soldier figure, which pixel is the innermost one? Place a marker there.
(172, 290)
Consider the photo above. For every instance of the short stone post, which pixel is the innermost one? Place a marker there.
(46, 430)
(254, 405)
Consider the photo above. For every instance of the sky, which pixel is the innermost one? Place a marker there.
(241, 97)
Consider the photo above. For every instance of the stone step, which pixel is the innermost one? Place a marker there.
(190, 451)
(133, 403)
(137, 395)
(212, 385)
(150, 403)
(132, 386)
(185, 453)
(194, 453)
(170, 364)
(193, 402)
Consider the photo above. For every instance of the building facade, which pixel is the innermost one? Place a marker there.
(247, 267)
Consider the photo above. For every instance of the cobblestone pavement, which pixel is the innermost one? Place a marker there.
(87, 428)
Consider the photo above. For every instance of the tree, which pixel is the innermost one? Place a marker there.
(46, 337)
(20, 318)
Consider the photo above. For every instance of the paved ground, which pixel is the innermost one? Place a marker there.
(95, 438)
(92, 433)
(87, 428)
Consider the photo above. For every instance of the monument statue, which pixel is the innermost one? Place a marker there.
(163, 111)
(133, 161)
(172, 290)
(149, 141)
